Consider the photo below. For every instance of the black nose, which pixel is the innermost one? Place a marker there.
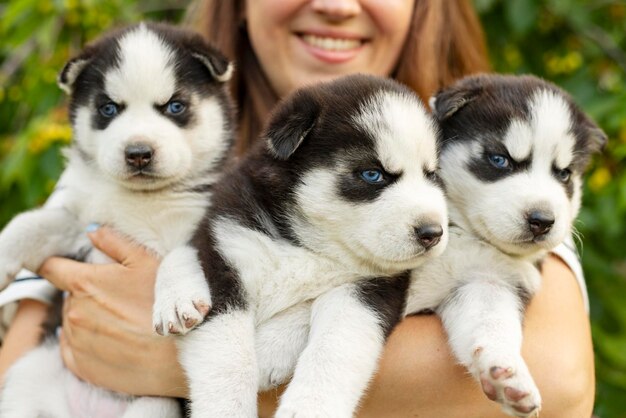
(540, 223)
(138, 155)
(429, 235)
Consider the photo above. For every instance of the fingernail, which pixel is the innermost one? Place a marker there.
(92, 227)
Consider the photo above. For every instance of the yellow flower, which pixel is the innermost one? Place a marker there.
(49, 134)
(600, 178)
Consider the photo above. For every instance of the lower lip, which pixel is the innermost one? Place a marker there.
(332, 57)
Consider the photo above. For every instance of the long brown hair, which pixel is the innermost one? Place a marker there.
(445, 42)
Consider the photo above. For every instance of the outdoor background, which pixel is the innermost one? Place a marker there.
(578, 44)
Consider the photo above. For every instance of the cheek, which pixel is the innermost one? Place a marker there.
(264, 17)
(392, 19)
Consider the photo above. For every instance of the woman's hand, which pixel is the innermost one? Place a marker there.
(107, 336)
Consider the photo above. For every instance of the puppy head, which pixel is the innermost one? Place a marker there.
(362, 155)
(514, 152)
(149, 106)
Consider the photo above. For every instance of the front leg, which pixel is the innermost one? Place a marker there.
(483, 320)
(279, 343)
(33, 236)
(220, 363)
(349, 326)
(182, 297)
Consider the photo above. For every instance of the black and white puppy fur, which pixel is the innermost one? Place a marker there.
(512, 160)
(152, 126)
(513, 156)
(342, 188)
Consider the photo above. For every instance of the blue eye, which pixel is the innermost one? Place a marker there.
(372, 176)
(499, 161)
(175, 107)
(108, 110)
(564, 175)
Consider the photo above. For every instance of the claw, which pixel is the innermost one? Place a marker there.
(189, 322)
(172, 329)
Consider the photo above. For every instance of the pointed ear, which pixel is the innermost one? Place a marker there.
(218, 65)
(597, 138)
(70, 72)
(450, 100)
(291, 123)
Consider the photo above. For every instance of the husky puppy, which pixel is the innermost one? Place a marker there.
(513, 154)
(342, 188)
(152, 127)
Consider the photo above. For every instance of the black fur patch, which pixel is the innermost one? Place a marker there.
(482, 107)
(387, 297)
(192, 75)
(484, 170)
(353, 187)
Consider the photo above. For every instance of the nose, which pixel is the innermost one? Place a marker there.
(338, 9)
(540, 222)
(138, 155)
(429, 235)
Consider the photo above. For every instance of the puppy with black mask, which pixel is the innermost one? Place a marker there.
(342, 188)
(513, 155)
(152, 124)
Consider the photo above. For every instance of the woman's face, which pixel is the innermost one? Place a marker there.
(303, 41)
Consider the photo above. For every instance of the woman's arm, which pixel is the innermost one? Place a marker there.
(419, 377)
(24, 333)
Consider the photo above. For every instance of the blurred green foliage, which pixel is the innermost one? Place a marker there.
(576, 43)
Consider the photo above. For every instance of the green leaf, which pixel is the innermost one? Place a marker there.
(521, 14)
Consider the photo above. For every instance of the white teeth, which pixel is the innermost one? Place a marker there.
(331, 44)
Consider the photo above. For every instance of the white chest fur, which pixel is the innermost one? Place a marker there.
(160, 220)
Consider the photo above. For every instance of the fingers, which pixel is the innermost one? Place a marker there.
(67, 274)
(67, 355)
(116, 246)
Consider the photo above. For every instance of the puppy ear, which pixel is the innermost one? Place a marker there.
(219, 66)
(597, 138)
(450, 100)
(70, 72)
(291, 123)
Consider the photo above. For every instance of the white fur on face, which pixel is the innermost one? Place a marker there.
(498, 210)
(145, 78)
(381, 232)
(146, 69)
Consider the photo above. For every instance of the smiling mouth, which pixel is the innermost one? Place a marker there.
(331, 44)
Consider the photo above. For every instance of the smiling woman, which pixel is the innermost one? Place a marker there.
(295, 46)
(279, 45)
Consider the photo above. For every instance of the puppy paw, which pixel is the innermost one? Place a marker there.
(8, 271)
(177, 312)
(509, 383)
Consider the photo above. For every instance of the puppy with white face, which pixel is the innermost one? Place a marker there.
(343, 188)
(151, 119)
(513, 156)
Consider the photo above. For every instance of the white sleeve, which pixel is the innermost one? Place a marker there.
(28, 285)
(568, 253)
